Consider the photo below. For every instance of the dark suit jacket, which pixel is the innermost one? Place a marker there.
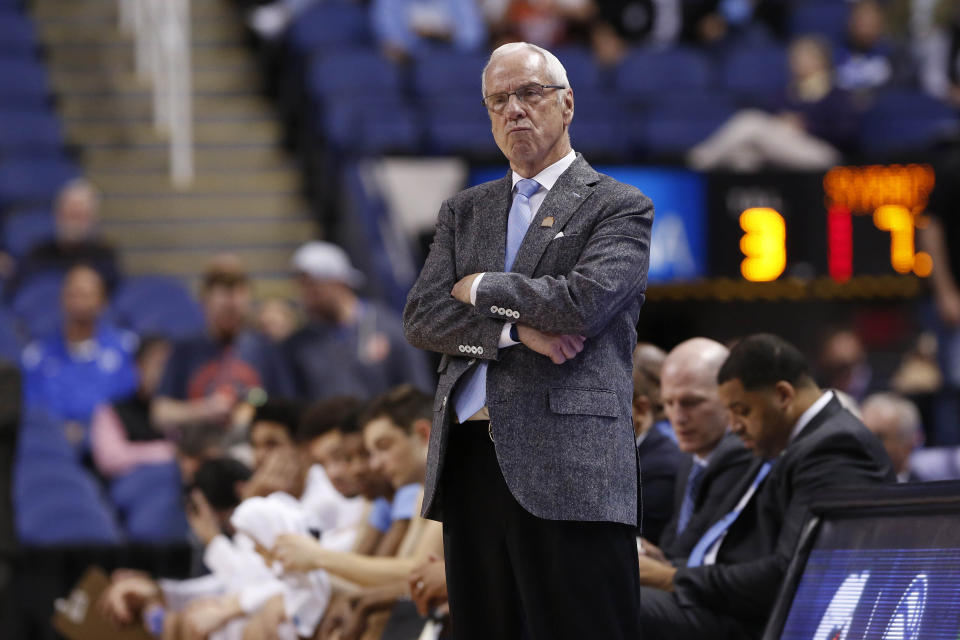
(563, 434)
(834, 450)
(724, 472)
(659, 459)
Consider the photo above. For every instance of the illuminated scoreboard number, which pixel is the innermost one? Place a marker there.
(894, 196)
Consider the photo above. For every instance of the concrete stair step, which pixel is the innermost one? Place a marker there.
(187, 206)
(157, 158)
(225, 182)
(203, 32)
(139, 106)
(186, 235)
(237, 132)
(241, 79)
(94, 10)
(82, 57)
(190, 262)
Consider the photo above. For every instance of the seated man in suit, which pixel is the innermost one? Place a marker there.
(807, 446)
(715, 459)
(895, 420)
(657, 452)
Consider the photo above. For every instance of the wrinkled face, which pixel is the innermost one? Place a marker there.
(758, 417)
(76, 214)
(529, 136)
(227, 309)
(698, 417)
(83, 296)
(267, 437)
(399, 456)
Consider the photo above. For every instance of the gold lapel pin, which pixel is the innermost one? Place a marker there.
(547, 222)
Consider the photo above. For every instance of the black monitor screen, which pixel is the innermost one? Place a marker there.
(883, 577)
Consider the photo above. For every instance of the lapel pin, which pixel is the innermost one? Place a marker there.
(547, 222)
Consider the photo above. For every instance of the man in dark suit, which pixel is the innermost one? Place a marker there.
(895, 420)
(715, 459)
(807, 445)
(657, 452)
(531, 291)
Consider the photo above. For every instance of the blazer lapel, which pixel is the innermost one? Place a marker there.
(571, 190)
(491, 214)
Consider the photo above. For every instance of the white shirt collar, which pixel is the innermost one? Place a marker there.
(549, 176)
(703, 461)
(809, 414)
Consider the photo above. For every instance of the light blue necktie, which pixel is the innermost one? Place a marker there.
(690, 495)
(716, 532)
(471, 394)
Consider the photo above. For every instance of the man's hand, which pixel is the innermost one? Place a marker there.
(654, 573)
(652, 551)
(428, 585)
(127, 596)
(264, 624)
(203, 617)
(559, 348)
(461, 290)
(297, 552)
(280, 472)
(200, 515)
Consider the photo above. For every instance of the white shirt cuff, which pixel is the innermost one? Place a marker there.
(473, 289)
(505, 339)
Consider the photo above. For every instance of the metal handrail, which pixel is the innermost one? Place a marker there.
(161, 33)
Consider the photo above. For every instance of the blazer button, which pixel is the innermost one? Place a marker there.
(480, 350)
(493, 309)
(462, 348)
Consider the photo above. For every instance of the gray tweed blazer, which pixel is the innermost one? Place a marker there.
(563, 434)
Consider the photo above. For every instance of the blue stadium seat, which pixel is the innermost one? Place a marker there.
(37, 304)
(11, 343)
(356, 71)
(17, 36)
(644, 72)
(26, 132)
(23, 82)
(26, 229)
(327, 25)
(599, 124)
(41, 437)
(827, 18)
(672, 126)
(757, 71)
(33, 181)
(903, 120)
(453, 74)
(157, 305)
(149, 500)
(459, 126)
(582, 69)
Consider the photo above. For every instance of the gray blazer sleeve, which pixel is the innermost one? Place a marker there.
(435, 321)
(610, 273)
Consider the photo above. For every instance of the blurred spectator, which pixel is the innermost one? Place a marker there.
(348, 346)
(815, 121)
(207, 375)
(408, 28)
(724, 22)
(221, 482)
(953, 59)
(270, 20)
(843, 364)
(657, 453)
(924, 27)
(896, 422)
(624, 23)
(77, 240)
(86, 363)
(865, 61)
(277, 319)
(546, 23)
(121, 435)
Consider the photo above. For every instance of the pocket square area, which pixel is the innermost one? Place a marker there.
(559, 235)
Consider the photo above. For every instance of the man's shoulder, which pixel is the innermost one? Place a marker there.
(730, 454)
(478, 192)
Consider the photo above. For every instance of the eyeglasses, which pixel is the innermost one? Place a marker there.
(529, 94)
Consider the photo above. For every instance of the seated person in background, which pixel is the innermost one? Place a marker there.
(546, 23)
(657, 453)
(76, 241)
(85, 364)
(277, 319)
(207, 375)
(808, 129)
(409, 28)
(396, 429)
(843, 364)
(622, 23)
(715, 459)
(729, 22)
(348, 346)
(807, 446)
(896, 422)
(121, 436)
(865, 60)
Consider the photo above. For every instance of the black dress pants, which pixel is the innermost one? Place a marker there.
(511, 575)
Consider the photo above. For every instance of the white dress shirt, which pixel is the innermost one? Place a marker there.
(546, 179)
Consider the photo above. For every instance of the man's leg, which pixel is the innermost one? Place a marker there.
(661, 616)
(480, 583)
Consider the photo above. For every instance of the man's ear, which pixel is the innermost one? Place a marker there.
(784, 394)
(568, 107)
(421, 427)
(642, 404)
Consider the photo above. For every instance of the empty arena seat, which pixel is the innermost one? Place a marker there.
(157, 305)
(36, 303)
(826, 18)
(23, 81)
(755, 71)
(643, 71)
(329, 24)
(33, 181)
(358, 71)
(453, 74)
(24, 230)
(903, 120)
(17, 35)
(30, 131)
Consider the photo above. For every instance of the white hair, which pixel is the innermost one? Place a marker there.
(909, 424)
(556, 74)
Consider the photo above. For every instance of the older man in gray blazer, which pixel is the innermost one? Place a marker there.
(531, 291)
